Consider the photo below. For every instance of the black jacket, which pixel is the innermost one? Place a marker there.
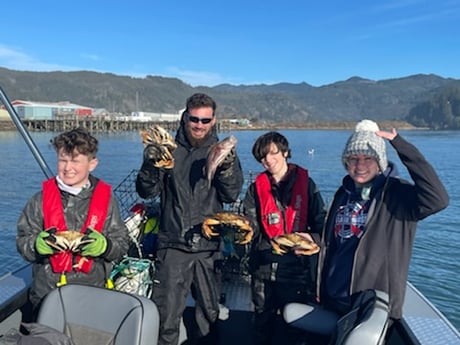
(382, 258)
(186, 198)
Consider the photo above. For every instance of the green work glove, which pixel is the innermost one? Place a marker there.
(42, 247)
(97, 247)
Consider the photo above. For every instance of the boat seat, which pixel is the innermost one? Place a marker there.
(95, 315)
(366, 323)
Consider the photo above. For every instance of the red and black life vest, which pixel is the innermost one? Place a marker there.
(53, 214)
(291, 219)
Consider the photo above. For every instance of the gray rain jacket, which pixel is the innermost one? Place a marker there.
(31, 222)
(382, 258)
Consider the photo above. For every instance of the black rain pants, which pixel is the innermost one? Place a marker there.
(176, 272)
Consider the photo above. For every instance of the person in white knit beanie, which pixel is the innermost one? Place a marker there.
(367, 241)
(365, 141)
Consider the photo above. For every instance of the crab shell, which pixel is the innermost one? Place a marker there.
(158, 135)
(160, 156)
(283, 243)
(68, 240)
(162, 146)
(242, 225)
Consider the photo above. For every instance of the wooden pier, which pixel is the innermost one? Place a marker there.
(96, 125)
(93, 125)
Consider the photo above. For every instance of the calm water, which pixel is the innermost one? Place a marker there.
(435, 265)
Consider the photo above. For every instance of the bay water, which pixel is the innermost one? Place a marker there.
(435, 264)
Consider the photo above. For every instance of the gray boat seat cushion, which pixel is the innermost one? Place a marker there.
(365, 324)
(370, 326)
(94, 315)
(314, 319)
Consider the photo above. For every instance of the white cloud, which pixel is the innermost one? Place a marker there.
(198, 78)
(92, 57)
(15, 59)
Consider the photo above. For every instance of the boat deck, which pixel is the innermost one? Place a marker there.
(234, 328)
(422, 323)
(427, 324)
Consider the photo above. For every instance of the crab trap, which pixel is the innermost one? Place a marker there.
(134, 276)
(127, 197)
(133, 209)
(134, 273)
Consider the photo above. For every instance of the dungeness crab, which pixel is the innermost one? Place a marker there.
(224, 221)
(161, 146)
(283, 243)
(67, 240)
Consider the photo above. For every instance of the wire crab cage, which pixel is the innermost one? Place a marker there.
(125, 192)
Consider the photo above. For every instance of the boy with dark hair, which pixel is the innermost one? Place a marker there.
(282, 200)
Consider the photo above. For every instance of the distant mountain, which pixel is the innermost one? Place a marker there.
(349, 100)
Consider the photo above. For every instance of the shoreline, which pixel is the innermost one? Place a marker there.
(339, 125)
(7, 125)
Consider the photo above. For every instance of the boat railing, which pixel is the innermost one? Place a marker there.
(14, 290)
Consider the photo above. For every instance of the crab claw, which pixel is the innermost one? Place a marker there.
(57, 243)
(80, 262)
(78, 243)
(208, 231)
(243, 237)
(301, 251)
(277, 248)
(299, 243)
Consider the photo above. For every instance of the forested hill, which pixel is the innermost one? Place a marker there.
(423, 100)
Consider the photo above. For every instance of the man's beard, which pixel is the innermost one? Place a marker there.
(196, 142)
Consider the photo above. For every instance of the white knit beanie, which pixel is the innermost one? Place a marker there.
(364, 141)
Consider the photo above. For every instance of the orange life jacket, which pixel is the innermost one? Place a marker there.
(53, 214)
(294, 217)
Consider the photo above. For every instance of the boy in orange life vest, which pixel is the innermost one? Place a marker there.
(77, 202)
(282, 199)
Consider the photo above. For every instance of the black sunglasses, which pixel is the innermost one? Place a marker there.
(196, 119)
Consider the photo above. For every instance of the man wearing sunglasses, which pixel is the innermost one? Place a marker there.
(185, 257)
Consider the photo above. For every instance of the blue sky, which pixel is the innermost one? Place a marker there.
(247, 42)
